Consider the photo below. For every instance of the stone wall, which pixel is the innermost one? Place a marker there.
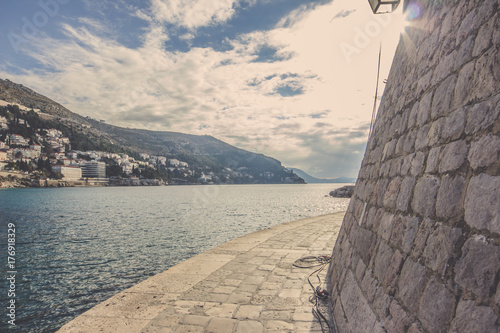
(419, 247)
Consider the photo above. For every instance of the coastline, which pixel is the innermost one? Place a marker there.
(246, 283)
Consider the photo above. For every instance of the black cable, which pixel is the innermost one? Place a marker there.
(376, 92)
(318, 293)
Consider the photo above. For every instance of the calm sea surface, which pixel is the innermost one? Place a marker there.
(76, 247)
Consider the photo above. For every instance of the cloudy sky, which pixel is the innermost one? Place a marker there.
(292, 79)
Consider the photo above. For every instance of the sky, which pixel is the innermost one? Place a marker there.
(291, 79)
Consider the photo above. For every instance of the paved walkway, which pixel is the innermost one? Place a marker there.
(245, 285)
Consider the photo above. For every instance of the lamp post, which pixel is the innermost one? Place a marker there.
(384, 6)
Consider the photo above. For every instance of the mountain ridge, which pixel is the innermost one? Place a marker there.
(203, 152)
(313, 180)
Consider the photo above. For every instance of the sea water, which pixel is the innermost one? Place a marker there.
(76, 247)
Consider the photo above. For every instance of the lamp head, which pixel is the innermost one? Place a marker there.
(384, 6)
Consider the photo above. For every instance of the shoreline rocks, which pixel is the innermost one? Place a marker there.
(343, 192)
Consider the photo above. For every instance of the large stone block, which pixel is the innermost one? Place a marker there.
(391, 194)
(464, 54)
(417, 164)
(433, 160)
(389, 149)
(398, 321)
(484, 151)
(411, 283)
(406, 165)
(453, 156)
(483, 115)
(424, 109)
(369, 285)
(405, 192)
(382, 260)
(381, 303)
(436, 307)
(435, 134)
(392, 272)
(424, 196)
(454, 125)
(385, 228)
(409, 144)
(364, 243)
(412, 117)
(464, 87)
(477, 268)
(484, 36)
(472, 318)
(396, 125)
(445, 67)
(482, 203)
(449, 199)
(398, 230)
(470, 23)
(358, 315)
(410, 233)
(442, 97)
(486, 75)
(424, 230)
(440, 245)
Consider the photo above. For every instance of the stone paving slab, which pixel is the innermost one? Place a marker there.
(245, 285)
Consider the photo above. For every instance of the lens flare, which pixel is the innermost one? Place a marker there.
(414, 11)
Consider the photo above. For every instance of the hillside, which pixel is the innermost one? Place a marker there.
(313, 180)
(204, 154)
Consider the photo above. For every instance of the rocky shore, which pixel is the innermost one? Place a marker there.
(343, 192)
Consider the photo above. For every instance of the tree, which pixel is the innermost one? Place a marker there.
(114, 170)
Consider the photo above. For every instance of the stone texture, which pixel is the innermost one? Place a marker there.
(440, 245)
(424, 109)
(249, 327)
(436, 307)
(410, 233)
(382, 260)
(393, 269)
(411, 284)
(433, 160)
(435, 133)
(477, 268)
(426, 256)
(424, 196)
(482, 116)
(424, 229)
(417, 165)
(385, 227)
(360, 317)
(453, 156)
(484, 152)
(442, 98)
(472, 318)
(464, 85)
(391, 194)
(405, 192)
(482, 203)
(449, 199)
(398, 320)
(454, 125)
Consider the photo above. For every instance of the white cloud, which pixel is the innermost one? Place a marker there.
(192, 14)
(227, 94)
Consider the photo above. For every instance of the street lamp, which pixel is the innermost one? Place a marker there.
(384, 6)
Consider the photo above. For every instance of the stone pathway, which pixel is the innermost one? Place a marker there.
(245, 285)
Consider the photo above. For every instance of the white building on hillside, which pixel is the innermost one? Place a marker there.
(94, 169)
(68, 172)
